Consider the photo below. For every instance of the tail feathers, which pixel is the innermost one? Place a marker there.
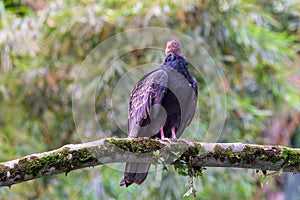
(135, 173)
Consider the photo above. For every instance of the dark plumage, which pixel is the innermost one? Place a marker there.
(162, 105)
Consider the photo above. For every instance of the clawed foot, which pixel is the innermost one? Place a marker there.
(174, 138)
(165, 141)
(190, 144)
(169, 141)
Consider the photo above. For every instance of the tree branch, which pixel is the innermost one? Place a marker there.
(112, 150)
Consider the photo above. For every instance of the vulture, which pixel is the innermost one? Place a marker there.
(162, 104)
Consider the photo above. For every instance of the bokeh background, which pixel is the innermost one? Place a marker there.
(255, 45)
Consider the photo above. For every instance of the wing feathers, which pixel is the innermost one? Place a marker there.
(147, 92)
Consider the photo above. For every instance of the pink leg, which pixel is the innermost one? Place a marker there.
(180, 140)
(162, 135)
(173, 134)
(163, 139)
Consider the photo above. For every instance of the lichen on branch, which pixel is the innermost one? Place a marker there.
(188, 160)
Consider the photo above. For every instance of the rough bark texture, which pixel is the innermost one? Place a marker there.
(187, 160)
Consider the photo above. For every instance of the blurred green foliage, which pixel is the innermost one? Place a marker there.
(43, 43)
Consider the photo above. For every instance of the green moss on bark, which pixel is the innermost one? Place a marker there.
(189, 164)
(248, 155)
(139, 145)
(62, 161)
(3, 172)
(291, 157)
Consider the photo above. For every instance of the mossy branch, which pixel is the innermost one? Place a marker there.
(112, 150)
